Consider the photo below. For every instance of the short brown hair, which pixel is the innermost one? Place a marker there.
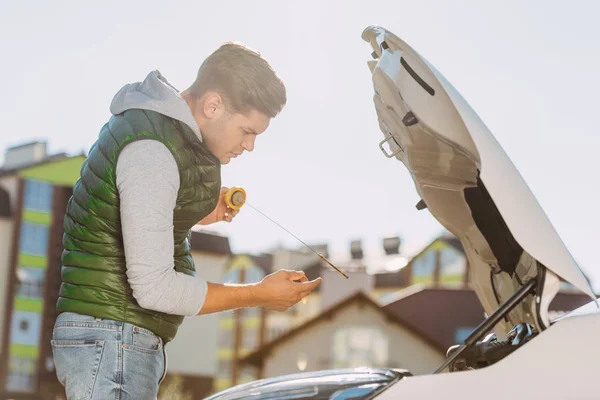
(244, 78)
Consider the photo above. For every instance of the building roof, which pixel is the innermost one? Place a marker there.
(395, 279)
(210, 243)
(438, 312)
(257, 357)
(264, 261)
(5, 211)
(313, 271)
(47, 159)
(26, 144)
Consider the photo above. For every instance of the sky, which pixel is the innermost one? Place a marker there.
(529, 69)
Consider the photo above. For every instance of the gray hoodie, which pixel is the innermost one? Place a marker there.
(155, 93)
(148, 183)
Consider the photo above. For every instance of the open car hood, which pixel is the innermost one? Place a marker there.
(468, 183)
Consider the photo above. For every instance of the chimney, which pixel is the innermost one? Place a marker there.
(391, 245)
(24, 154)
(356, 250)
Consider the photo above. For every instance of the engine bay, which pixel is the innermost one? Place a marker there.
(491, 349)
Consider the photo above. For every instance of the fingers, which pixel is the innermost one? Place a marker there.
(300, 280)
(294, 294)
(229, 214)
(295, 275)
(309, 286)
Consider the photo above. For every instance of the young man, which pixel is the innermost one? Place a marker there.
(128, 278)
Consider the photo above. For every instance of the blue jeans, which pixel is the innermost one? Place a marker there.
(104, 359)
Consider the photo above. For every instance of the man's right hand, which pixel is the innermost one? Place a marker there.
(284, 288)
(277, 291)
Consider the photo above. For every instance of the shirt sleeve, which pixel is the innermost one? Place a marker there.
(148, 182)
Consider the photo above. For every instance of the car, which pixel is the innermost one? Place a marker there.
(517, 260)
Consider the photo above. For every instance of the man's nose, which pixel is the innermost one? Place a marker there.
(249, 143)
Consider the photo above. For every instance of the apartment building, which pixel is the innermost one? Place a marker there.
(35, 189)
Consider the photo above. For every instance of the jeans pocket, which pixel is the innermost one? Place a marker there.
(145, 341)
(143, 352)
(77, 363)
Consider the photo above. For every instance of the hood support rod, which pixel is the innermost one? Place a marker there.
(491, 321)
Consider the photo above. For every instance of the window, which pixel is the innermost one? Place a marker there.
(250, 338)
(423, 267)
(25, 328)
(359, 346)
(21, 375)
(38, 195)
(233, 276)
(34, 239)
(31, 282)
(462, 333)
(453, 266)
(254, 275)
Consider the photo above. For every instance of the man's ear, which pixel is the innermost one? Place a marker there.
(213, 106)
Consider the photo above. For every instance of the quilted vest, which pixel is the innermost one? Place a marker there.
(94, 280)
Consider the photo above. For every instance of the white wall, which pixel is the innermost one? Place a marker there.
(6, 233)
(194, 349)
(335, 288)
(406, 350)
(10, 184)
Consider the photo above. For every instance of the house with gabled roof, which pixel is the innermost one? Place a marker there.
(354, 332)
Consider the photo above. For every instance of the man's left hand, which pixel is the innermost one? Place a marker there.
(221, 213)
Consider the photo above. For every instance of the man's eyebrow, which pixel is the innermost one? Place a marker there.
(251, 131)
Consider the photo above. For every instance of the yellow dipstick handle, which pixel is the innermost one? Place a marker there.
(235, 198)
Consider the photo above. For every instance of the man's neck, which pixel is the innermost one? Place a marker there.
(193, 104)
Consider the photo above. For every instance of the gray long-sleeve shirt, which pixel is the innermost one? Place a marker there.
(148, 182)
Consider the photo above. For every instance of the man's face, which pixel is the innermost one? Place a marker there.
(229, 135)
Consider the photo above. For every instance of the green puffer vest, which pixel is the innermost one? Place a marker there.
(94, 280)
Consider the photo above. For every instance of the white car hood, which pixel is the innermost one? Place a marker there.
(467, 181)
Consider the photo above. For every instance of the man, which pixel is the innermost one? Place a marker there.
(128, 277)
